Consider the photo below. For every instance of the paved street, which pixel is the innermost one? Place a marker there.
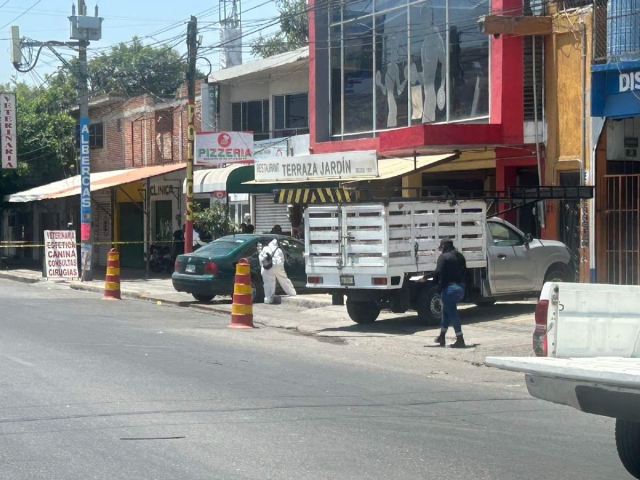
(92, 389)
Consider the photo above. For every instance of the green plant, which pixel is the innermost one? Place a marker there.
(213, 221)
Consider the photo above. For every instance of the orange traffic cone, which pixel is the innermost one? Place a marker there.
(112, 278)
(242, 308)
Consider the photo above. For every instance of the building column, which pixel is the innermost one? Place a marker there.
(410, 183)
(506, 176)
(507, 72)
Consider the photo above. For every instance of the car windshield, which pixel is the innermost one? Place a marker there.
(221, 247)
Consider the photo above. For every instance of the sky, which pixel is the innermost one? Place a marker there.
(44, 20)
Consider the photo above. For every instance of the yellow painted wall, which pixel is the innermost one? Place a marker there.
(563, 91)
(564, 99)
(470, 160)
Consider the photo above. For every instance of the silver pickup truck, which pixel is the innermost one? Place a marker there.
(369, 252)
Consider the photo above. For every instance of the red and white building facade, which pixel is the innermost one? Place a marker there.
(417, 78)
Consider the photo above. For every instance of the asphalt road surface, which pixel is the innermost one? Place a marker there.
(91, 389)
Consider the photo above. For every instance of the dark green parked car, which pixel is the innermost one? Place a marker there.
(210, 270)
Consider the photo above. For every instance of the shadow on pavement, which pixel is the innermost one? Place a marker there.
(409, 324)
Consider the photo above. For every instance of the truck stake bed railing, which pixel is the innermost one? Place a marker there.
(522, 195)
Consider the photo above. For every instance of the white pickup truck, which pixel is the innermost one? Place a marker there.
(370, 251)
(587, 338)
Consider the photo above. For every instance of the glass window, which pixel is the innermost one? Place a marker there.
(391, 69)
(356, 9)
(468, 60)
(290, 114)
(222, 246)
(335, 79)
(428, 62)
(251, 117)
(358, 76)
(96, 135)
(412, 68)
(503, 236)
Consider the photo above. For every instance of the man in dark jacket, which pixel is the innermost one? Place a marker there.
(450, 275)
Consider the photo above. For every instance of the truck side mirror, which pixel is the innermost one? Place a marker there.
(528, 238)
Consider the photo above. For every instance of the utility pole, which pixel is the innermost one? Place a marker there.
(83, 29)
(192, 52)
(85, 162)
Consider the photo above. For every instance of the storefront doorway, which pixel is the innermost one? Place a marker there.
(131, 230)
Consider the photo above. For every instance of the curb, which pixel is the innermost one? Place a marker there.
(304, 303)
(18, 278)
(294, 301)
(127, 294)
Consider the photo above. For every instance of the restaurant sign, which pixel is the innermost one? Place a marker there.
(330, 166)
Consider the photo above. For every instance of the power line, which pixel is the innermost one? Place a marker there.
(21, 15)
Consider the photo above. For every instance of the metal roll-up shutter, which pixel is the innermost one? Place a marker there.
(268, 214)
(528, 96)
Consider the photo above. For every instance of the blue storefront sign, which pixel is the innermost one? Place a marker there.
(85, 180)
(615, 90)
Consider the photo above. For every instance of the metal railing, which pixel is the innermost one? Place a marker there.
(616, 31)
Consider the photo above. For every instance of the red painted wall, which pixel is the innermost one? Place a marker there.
(506, 73)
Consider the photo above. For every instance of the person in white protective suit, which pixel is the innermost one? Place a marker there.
(273, 255)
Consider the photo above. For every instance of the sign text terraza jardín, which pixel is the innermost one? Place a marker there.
(330, 166)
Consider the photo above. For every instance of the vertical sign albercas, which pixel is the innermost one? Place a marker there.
(85, 191)
(8, 130)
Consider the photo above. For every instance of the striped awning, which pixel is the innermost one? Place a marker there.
(315, 195)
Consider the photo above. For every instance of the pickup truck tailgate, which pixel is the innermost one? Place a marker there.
(608, 386)
(610, 370)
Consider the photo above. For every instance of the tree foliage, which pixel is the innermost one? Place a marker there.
(136, 69)
(45, 131)
(294, 30)
(213, 222)
(45, 124)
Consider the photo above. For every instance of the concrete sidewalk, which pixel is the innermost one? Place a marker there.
(504, 329)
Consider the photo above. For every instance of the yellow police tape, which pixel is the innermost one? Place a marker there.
(37, 245)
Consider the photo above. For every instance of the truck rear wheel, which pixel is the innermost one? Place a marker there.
(429, 306)
(628, 445)
(363, 312)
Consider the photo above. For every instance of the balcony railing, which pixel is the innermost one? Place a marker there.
(616, 31)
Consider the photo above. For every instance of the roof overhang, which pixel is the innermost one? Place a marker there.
(99, 181)
(262, 68)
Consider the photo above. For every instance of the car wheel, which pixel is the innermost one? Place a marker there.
(203, 298)
(430, 306)
(363, 312)
(628, 445)
(555, 275)
(257, 290)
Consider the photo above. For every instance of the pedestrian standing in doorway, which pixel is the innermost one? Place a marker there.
(272, 269)
(450, 275)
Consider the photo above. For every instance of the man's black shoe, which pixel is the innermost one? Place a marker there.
(440, 339)
(459, 342)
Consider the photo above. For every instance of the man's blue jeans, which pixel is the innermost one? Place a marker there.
(450, 296)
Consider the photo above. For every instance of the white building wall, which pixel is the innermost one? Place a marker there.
(617, 131)
(245, 90)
